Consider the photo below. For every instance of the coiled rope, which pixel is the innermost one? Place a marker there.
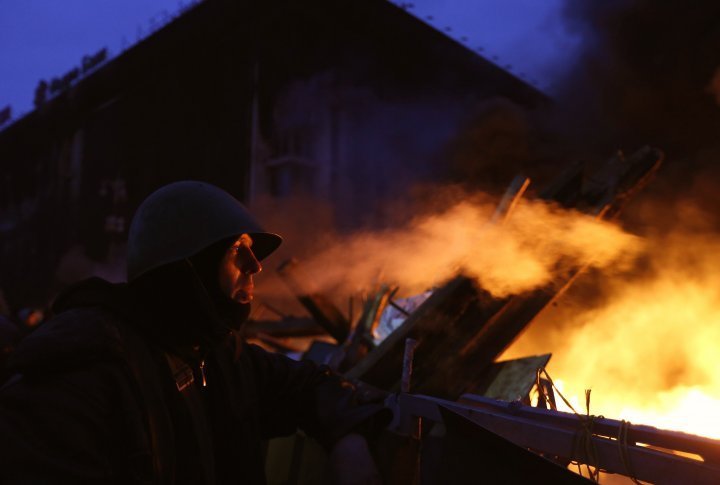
(623, 448)
(583, 435)
(583, 438)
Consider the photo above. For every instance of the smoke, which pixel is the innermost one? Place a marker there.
(492, 146)
(371, 133)
(643, 76)
(642, 331)
(645, 339)
(649, 74)
(519, 255)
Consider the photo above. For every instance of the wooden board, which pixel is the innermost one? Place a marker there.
(462, 329)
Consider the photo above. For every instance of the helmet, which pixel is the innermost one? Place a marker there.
(183, 218)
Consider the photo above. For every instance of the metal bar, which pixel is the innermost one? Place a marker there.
(708, 448)
(417, 421)
(647, 464)
(410, 345)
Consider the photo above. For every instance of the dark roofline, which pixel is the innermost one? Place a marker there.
(388, 24)
(104, 71)
(391, 21)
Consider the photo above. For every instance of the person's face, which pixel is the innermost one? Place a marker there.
(237, 269)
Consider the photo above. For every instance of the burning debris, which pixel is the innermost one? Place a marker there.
(461, 328)
(648, 344)
(492, 270)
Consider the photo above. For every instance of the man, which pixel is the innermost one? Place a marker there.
(145, 382)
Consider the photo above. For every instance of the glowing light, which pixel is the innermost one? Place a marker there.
(650, 350)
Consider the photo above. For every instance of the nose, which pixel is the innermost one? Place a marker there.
(249, 265)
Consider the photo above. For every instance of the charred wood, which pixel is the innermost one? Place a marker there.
(325, 313)
(462, 329)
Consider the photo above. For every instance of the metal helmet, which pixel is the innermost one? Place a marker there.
(183, 218)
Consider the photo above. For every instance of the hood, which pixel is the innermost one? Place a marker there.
(96, 292)
(83, 330)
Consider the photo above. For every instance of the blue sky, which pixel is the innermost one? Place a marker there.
(41, 39)
(528, 35)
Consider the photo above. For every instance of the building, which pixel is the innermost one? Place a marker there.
(346, 101)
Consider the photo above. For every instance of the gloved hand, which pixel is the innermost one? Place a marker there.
(351, 462)
(365, 393)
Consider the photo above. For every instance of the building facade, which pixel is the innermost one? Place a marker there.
(348, 102)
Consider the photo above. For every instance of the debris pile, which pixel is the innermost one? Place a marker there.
(436, 354)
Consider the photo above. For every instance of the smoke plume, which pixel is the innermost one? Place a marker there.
(519, 255)
(646, 340)
(645, 77)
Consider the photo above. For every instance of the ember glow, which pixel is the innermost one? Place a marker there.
(519, 255)
(651, 352)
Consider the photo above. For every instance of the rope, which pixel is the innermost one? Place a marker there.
(540, 384)
(584, 434)
(585, 437)
(623, 448)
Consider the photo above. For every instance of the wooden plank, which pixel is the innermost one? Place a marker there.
(324, 311)
(432, 324)
(449, 375)
(510, 380)
(462, 329)
(510, 199)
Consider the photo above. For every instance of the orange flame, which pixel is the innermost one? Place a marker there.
(651, 352)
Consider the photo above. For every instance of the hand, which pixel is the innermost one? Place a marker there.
(365, 393)
(351, 462)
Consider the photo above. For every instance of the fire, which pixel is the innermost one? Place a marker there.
(648, 350)
(651, 351)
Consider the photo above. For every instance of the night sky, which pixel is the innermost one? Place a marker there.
(42, 39)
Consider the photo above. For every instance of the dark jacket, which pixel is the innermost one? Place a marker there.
(95, 399)
(9, 337)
